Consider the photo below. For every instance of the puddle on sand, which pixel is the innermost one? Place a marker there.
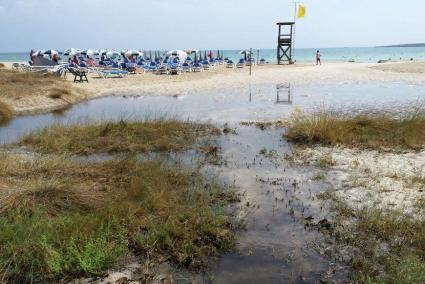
(276, 246)
(260, 102)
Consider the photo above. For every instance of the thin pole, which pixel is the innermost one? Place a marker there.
(250, 61)
(295, 20)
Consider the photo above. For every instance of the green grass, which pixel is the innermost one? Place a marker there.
(118, 137)
(364, 131)
(61, 219)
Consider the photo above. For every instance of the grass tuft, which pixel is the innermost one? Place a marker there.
(6, 112)
(387, 246)
(115, 137)
(364, 131)
(63, 218)
(2, 65)
(58, 93)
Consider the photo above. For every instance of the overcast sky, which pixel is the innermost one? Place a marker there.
(204, 24)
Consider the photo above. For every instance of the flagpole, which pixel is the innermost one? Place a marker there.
(295, 26)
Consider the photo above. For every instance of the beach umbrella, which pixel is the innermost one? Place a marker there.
(112, 53)
(136, 53)
(177, 53)
(91, 52)
(101, 51)
(196, 52)
(39, 52)
(71, 50)
(50, 52)
(205, 55)
(246, 53)
(150, 54)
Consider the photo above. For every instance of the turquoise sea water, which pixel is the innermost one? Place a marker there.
(359, 54)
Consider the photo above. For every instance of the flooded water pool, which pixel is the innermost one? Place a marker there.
(254, 103)
(276, 247)
(278, 197)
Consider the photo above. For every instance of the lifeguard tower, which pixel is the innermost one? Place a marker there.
(284, 42)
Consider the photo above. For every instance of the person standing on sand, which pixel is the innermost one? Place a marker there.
(318, 58)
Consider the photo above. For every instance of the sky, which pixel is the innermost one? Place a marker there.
(205, 24)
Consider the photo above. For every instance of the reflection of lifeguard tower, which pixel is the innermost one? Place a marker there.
(283, 94)
(284, 42)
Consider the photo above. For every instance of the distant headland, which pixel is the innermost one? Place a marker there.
(405, 45)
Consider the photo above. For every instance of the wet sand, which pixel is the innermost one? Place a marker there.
(221, 78)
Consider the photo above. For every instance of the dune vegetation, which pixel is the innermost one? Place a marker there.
(62, 218)
(161, 135)
(27, 91)
(362, 131)
(21, 84)
(6, 112)
(387, 246)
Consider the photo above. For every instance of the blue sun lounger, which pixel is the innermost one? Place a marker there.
(206, 65)
(197, 67)
(186, 67)
(108, 73)
(241, 63)
(153, 67)
(230, 64)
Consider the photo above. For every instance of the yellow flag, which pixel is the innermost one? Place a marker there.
(301, 11)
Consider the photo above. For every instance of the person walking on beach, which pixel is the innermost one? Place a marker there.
(318, 58)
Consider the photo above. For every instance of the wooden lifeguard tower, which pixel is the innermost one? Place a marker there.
(284, 42)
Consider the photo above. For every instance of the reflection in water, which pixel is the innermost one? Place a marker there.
(283, 94)
(277, 196)
(231, 106)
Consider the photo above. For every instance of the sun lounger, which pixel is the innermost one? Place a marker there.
(206, 65)
(230, 64)
(174, 68)
(130, 67)
(262, 62)
(241, 63)
(186, 67)
(109, 73)
(153, 67)
(196, 67)
(162, 69)
(80, 75)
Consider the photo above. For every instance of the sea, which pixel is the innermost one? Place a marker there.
(356, 54)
